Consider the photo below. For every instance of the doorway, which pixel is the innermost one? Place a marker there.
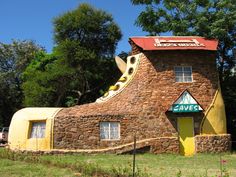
(186, 135)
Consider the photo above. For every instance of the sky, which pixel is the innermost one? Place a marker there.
(32, 19)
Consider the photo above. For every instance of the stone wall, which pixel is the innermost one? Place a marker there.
(212, 143)
(165, 145)
(83, 132)
(141, 108)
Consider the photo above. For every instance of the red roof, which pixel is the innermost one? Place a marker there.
(175, 43)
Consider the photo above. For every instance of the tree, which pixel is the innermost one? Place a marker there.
(88, 29)
(207, 18)
(48, 81)
(41, 79)
(229, 93)
(14, 58)
(86, 39)
(81, 66)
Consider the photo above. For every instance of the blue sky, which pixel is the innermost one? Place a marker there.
(32, 19)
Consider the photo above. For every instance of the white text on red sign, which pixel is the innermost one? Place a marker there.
(177, 43)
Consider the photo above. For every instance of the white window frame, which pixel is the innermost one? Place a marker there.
(109, 138)
(37, 129)
(183, 77)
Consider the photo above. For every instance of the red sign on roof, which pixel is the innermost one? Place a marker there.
(175, 43)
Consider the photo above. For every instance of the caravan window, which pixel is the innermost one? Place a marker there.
(38, 130)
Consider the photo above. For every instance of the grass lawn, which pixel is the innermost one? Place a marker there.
(165, 165)
(9, 168)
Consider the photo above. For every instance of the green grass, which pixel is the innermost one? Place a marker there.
(9, 168)
(164, 165)
(157, 165)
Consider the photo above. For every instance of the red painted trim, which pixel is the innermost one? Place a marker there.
(175, 43)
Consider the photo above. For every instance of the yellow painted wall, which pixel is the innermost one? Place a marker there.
(214, 121)
(20, 129)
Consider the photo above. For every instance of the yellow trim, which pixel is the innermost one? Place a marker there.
(106, 94)
(214, 121)
(113, 87)
(113, 148)
(122, 79)
(51, 138)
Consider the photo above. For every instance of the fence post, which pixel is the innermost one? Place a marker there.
(134, 153)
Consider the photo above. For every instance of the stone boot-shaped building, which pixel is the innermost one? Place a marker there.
(168, 97)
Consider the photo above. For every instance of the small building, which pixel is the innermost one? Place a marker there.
(168, 96)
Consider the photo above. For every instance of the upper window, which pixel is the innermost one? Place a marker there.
(109, 130)
(183, 74)
(38, 130)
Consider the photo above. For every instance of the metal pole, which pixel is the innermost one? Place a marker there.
(134, 153)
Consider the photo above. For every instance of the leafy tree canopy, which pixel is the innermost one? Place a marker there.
(14, 58)
(81, 66)
(89, 29)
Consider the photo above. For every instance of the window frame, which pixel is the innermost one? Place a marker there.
(31, 129)
(183, 74)
(109, 135)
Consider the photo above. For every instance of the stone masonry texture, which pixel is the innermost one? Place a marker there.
(212, 143)
(142, 107)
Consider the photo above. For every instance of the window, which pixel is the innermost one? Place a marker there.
(109, 130)
(183, 74)
(38, 130)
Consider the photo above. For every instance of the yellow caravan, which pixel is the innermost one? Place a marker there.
(31, 129)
